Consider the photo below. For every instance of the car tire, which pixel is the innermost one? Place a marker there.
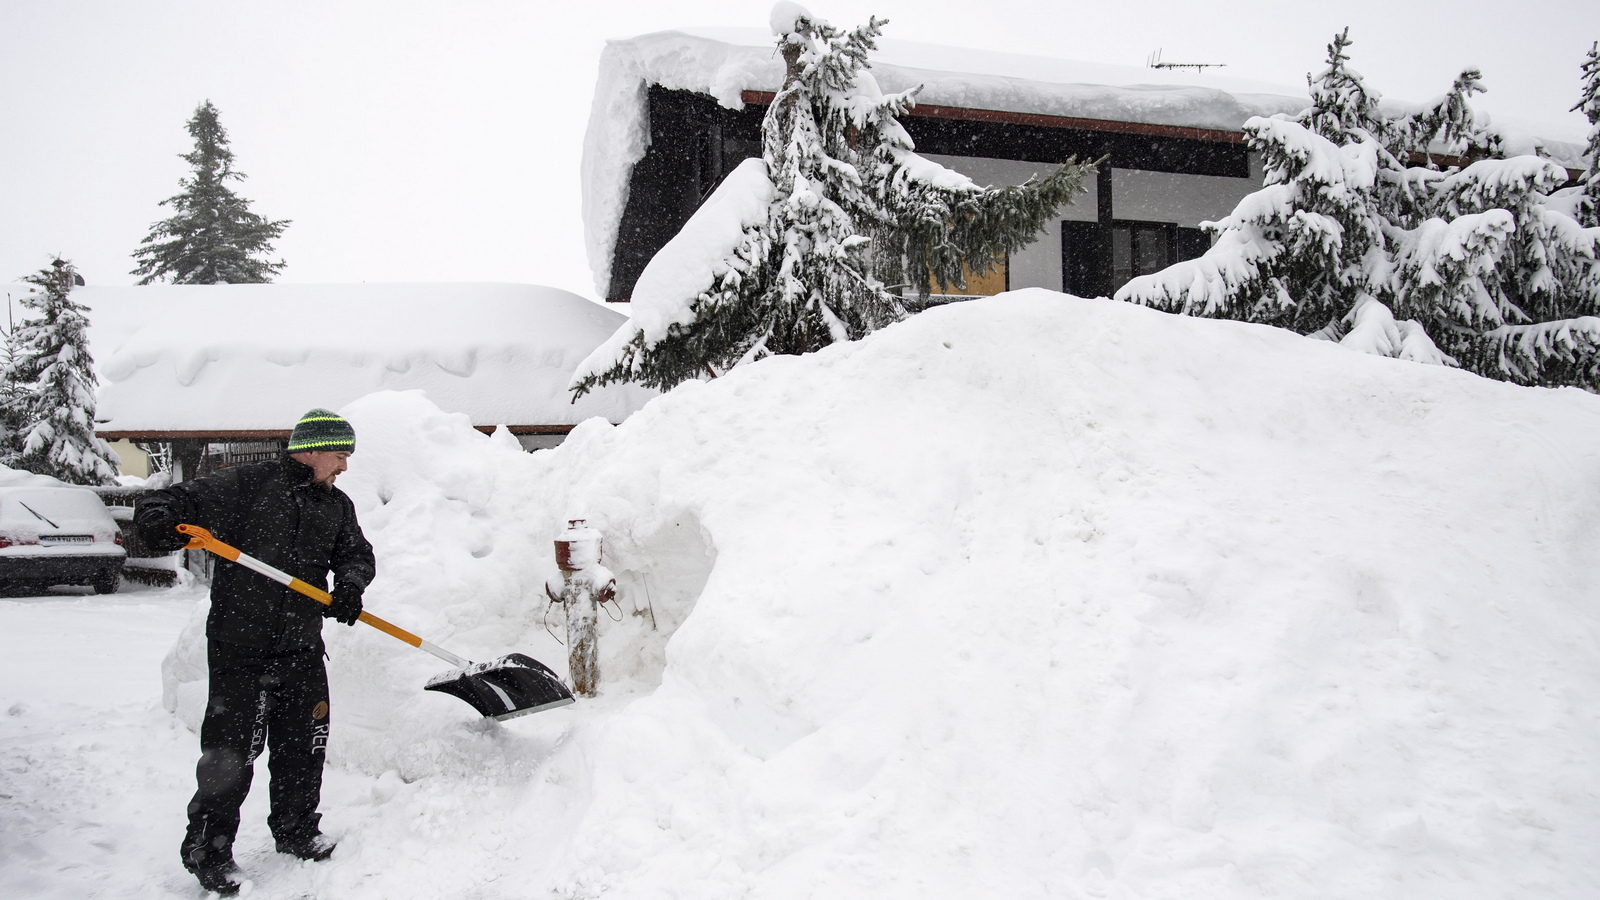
(107, 583)
(19, 588)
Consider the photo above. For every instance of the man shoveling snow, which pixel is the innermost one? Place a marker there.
(268, 686)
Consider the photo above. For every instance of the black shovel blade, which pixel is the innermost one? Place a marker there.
(505, 688)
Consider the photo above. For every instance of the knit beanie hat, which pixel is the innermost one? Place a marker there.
(322, 429)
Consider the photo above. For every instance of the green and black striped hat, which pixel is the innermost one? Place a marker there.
(322, 429)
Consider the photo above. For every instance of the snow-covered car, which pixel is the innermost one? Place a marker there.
(54, 533)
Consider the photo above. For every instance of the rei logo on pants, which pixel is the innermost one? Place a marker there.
(319, 734)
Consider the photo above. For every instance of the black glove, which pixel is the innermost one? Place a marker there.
(158, 529)
(346, 606)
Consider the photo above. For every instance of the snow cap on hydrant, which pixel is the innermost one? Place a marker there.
(578, 547)
(322, 429)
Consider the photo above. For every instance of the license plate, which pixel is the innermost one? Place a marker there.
(66, 539)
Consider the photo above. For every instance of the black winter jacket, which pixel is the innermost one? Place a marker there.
(273, 511)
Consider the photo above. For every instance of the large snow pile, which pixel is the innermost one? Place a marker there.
(1025, 597)
(257, 356)
(725, 62)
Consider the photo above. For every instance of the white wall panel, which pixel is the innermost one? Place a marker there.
(1039, 263)
(1188, 200)
(1010, 171)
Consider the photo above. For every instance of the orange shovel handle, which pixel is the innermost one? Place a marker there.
(202, 539)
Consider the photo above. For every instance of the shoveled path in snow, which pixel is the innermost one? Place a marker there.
(94, 774)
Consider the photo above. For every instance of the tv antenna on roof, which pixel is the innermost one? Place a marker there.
(1155, 62)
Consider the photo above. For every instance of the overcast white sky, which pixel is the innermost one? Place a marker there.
(439, 141)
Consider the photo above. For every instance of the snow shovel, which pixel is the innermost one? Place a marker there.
(505, 688)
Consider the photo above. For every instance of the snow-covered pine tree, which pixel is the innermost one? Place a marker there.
(1310, 247)
(1487, 260)
(1544, 282)
(15, 398)
(823, 289)
(213, 238)
(52, 359)
(1349, 242)
(1555, 260)
(819, 240)
(1589, 206)
(1345, 111)
(1342, 109)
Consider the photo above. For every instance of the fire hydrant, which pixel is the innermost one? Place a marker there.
(584, 585)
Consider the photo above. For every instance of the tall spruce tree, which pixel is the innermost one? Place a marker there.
(53, 362)
(15, 397)
(1552, 266)
(213, 238)
(1358, 236)
(825, 237)
(1342, 109)
(1345, 111)
(1589, 105)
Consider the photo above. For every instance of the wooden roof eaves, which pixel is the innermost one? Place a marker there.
(1220, 136)
(1214, 135)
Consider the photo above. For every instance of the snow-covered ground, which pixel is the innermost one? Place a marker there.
(89, 762)
(1026, 597)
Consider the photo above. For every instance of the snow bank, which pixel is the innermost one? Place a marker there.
(1025, 597)
(257, 356)
(723, 62)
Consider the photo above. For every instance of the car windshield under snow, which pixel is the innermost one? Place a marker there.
(50, 509)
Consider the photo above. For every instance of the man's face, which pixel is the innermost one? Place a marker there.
(325, 465)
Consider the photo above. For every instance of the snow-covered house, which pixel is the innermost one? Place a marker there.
(220, 373)
(676, 111)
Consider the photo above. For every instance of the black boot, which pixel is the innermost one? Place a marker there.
(224, 879)
(316, 847)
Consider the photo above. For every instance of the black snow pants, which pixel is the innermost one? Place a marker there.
(279, 704)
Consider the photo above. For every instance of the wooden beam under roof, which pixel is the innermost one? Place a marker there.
(1039, 120)
(928, 110)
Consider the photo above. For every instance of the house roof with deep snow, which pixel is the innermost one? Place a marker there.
(248, 359)
(739, 66)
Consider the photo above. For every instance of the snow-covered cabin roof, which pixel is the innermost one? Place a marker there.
(728, 62)
(241, 358)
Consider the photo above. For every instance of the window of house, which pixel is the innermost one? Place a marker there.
(1097, 259)
(1139, 249)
